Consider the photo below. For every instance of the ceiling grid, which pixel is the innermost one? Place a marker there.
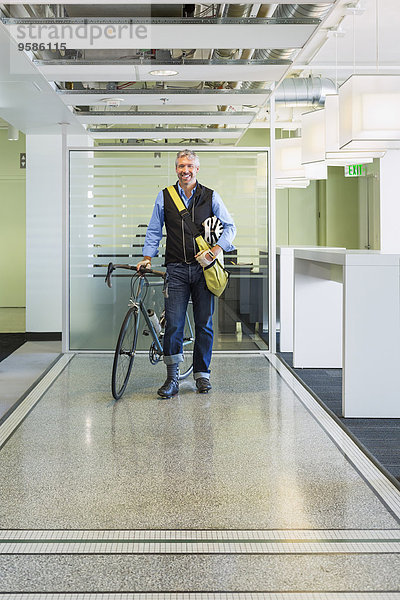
(132, 69)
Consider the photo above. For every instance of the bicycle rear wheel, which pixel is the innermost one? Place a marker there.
(186, 367)
(124, 353)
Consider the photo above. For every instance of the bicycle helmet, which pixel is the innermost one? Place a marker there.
(213, 229)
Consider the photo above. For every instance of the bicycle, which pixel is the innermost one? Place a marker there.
(128, 336)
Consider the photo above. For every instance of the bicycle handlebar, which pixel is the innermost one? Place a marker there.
(141, 272)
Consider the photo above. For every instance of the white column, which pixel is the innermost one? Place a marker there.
(43, 233)
(45, 191)
(390, 202)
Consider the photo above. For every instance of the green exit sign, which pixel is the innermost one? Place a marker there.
(355, 171)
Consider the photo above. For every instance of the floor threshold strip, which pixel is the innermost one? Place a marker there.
(300, 595)
(8, 427)
(380, 484)
(386, 541)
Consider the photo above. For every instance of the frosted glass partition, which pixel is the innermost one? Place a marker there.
(112, 195)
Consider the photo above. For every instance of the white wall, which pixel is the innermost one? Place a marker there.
(45, 190)
(43, 233)
(390, 202)
(297, 216)
(12, 222)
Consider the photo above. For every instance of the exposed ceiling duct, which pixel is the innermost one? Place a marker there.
(294, 11)
(237, 11)
(304, 91)
(286, 11)
(302, 11)
(266, 54)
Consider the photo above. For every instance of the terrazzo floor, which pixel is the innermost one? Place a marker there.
(247, 457)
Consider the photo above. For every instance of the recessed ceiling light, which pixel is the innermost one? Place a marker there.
(163, 73)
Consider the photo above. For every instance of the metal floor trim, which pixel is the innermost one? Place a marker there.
(8, 427)
(142, 541)
(256, 595)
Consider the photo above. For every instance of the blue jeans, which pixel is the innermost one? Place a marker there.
(184, 281)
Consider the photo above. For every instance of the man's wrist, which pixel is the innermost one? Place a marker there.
(215, 250)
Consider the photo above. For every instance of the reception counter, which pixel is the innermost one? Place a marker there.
(346, 314)
(285, 269)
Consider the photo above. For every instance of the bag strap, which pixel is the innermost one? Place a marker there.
(185, 214)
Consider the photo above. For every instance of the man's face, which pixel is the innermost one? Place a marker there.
(186, 170)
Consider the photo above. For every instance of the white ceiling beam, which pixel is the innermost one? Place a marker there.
(170, 134)
(165, 97)
(207, 118)
(185, 72)
(120, 34)
(27, 100)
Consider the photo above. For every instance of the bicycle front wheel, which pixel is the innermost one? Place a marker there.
(124, 353)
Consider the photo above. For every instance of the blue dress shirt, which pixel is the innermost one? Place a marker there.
(154, 230)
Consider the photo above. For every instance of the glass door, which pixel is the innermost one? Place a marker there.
(112, 194)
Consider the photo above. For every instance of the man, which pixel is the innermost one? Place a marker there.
(185, 269)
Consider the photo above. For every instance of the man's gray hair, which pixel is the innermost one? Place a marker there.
(189, 154)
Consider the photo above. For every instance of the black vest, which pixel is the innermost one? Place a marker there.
(180, 244)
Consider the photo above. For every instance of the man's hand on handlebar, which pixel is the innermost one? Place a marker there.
(145, 263)
(142, 268)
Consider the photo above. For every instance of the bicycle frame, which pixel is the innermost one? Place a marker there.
(138, 303)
